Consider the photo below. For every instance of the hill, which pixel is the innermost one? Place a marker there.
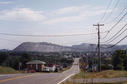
(4, 50)
(41, 47)
(93, 47)
(49, 47)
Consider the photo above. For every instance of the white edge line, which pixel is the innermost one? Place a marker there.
(65, 78)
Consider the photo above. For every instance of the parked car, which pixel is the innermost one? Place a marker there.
(46, 69)
(31, 71)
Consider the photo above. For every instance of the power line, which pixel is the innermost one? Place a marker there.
(106, 10)
(64, 35)
(118, 42)
(122, 11)
(105, 35)
(112, 10)
(9, 40)
(118, 21)
(12, 41)
(116, 24)
(116, 34)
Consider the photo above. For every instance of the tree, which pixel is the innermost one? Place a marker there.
(3, 57)
(125, 63)
(118, 59)
(25, 58)
(12, 61)
(106, 67)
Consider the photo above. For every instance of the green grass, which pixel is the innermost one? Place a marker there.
(7, 70)
(103, 74)
(67, 82)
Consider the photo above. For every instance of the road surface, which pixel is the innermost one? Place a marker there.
(40, 78)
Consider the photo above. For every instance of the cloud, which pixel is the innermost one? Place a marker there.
(5, 2)
(72, 9)
(65, 19)
(62, 15)
(79, 10)
(74, 14)
(67, 14)
(21, 14)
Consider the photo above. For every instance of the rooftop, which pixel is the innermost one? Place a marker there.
(35, 62)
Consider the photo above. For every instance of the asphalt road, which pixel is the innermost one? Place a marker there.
(40, 78)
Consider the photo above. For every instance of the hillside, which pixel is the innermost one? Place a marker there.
(49, 47)
(93, 47)
(41, 47)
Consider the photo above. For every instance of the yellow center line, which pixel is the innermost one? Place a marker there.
(18, 77)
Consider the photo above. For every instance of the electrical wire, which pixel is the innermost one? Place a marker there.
(116, 34)
(106, 11)
(9, 40)
(105, 35)
(122, 11)
(118, 42)
(118, 22)
(13, 41)
(115, 24)
(114, 8)
(10, 34)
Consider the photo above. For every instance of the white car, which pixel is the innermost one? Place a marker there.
(46, 69)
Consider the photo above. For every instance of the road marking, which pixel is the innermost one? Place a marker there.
(9, 74)
(65, 78)
(2, 75)
(18, 77)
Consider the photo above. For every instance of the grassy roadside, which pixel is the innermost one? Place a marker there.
(67, 82)
(7, 70)
(103, 74)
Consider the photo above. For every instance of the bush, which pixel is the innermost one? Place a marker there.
(119, 67)
(118, 59)
(106, 67)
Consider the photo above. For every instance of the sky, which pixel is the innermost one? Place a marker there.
(58, 17)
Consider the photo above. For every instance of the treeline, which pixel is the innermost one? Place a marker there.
(116, 60)
(119, 60)
(16, 59)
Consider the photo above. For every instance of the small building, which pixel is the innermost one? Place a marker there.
(36, 65)
(50, 67)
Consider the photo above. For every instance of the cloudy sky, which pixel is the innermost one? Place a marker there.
(58, 17)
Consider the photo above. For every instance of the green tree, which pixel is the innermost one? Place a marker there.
(25, 58)
(125, 63)
(118, 59)
(3, 57)
(12, 61)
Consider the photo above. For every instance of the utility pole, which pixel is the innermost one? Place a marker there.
(99, 50)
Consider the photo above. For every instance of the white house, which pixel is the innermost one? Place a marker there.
(50, 68)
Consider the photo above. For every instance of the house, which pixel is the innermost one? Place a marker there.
(50, 67)
(36, 65)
